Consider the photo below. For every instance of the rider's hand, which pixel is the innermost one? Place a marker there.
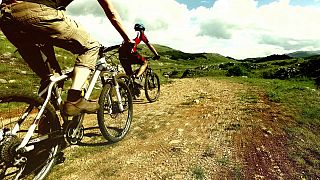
(156, 57)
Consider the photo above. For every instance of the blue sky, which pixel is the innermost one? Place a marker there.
(196, 3)
(209, 3)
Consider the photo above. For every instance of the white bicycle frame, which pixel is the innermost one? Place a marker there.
(101, 65)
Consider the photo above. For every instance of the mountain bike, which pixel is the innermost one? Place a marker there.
(32, 136)
(151, 85)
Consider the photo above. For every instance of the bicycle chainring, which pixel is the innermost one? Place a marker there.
(72, 136)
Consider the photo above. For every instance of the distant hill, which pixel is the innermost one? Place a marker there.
(177, 55)
(303, 54)
(273, 57)
(267, 58)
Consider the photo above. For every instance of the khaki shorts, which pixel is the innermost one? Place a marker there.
(26, 24)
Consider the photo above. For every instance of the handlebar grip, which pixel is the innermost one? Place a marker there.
(107, 49)
(104, 49)
(157, 57)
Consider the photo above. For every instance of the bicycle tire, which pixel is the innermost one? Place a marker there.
(152, 86)
(117, 125)
(40, 160)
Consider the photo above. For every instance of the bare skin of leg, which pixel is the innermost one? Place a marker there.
(80, 76)
(142, 68)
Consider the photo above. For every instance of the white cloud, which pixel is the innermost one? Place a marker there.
(237, 28)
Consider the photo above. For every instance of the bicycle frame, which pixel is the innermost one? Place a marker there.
(49, 89)
(52, 89)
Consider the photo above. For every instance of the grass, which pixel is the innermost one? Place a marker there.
(299, 100)
(223, 161)
(198, 172)
(237, 171)
(248, 97)
(13, 68)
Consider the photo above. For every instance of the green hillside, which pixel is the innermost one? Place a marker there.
(304, 54)
(175, 63)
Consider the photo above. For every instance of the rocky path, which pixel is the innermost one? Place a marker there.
(199, 129)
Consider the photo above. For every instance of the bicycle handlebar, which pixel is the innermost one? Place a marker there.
(152, 57)
(110, 48)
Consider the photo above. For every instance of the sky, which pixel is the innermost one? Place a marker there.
(235, 28)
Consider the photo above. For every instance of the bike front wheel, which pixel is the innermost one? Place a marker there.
(152, 87)
(114, 123)
(17, 113)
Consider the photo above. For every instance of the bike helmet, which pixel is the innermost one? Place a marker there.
(139, 27)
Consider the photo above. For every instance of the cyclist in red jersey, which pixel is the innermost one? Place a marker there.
(129, 55)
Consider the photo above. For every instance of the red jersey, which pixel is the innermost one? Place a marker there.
(140, 37)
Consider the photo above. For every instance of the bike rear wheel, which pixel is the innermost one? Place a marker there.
(152, 87)
(34, 164)
(114, 124)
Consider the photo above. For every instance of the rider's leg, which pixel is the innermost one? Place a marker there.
(54, 27)
(126, 66)
(142, 68)
(26, 47)
(136, 58)
(80, 76)
(88, 50)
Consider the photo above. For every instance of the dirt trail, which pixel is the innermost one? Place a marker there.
(199, 129)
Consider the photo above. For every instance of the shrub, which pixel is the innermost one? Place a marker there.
(281, 73)
(311, 68)
(238, 70)
(225, 66)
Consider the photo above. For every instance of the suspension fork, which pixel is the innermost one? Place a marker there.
(93, 81)
(116, 85)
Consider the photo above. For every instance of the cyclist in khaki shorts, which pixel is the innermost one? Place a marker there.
(27, 23)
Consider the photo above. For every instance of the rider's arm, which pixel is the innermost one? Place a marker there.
(152, 48)
(144, 38)
(114, 18)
